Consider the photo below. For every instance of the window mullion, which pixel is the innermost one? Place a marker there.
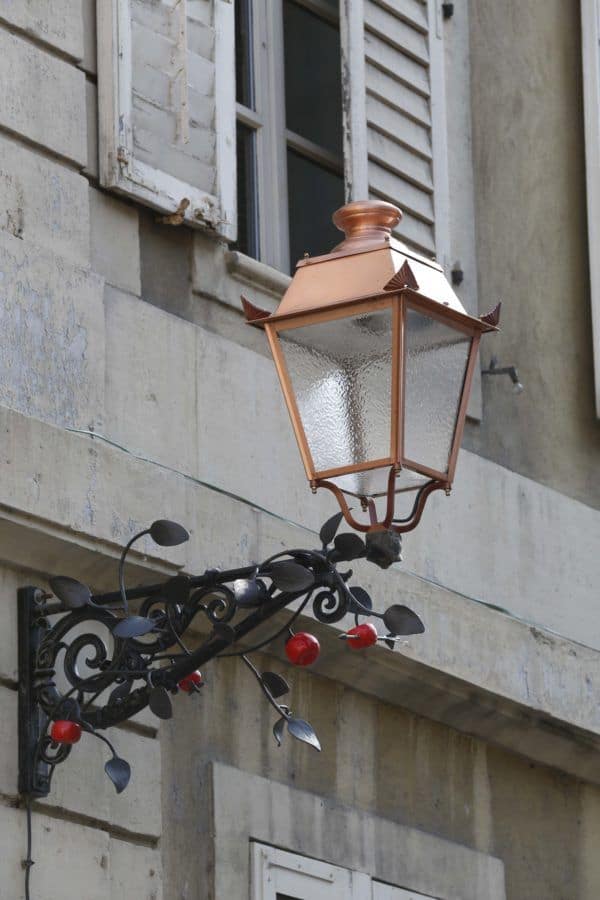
(270, 104)
(314, 151)
(249, 117)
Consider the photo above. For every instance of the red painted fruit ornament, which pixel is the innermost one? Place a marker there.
(65, 732)
(365, 636)
(302, 649)
(187, 684)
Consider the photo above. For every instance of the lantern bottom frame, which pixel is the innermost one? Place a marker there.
(388, 523)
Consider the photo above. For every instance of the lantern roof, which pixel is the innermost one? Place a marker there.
(368, 262)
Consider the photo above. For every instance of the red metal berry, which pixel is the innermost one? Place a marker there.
(65, 732)
(189, 682)
(366, 636)
(302, 649)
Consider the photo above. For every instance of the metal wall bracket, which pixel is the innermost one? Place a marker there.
(34, 773)
(87, 662)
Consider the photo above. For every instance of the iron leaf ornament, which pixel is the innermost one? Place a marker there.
(130, 659)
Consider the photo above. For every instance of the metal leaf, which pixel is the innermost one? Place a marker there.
(119, 772)
(278, 729)
(402, 620)
(302, 731)
(249, 592)
(289, 576)
(120, 692)
(168, 534)
(349, 546)
(363, 598)
(329, 529)
(275, 684)
(134, 626)
(160, 703)
(390, 643)
(70, 592)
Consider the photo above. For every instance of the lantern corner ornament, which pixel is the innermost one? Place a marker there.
(375, 356)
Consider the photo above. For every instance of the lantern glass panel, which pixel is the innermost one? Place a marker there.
(436, 361)
(341, 374)
(374, 482)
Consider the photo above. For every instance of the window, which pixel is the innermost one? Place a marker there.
(300, 149)
(289, 128)
(279, 875)
(312, 101)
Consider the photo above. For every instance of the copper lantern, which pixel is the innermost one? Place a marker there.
(375, 355)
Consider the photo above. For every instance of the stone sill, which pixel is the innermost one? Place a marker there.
(256, 274)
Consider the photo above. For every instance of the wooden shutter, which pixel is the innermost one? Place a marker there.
(399, 154)
(166, 87)
(590, 20)
(277, 873)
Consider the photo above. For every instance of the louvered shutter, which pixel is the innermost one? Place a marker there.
(400, 153)
(166, 88)
(590, 20)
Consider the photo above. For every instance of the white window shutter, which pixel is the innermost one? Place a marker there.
(400, 154)
(166, 90)
(277, 873)
(590, 20)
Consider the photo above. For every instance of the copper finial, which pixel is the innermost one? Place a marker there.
(366, 223)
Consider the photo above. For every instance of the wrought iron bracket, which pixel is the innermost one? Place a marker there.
(34, 774)
(86, 662)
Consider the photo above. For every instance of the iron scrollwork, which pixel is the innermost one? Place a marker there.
(87, 662)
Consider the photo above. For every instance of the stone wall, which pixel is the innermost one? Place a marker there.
(131, 389)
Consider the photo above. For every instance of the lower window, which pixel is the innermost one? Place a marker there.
(279, 875)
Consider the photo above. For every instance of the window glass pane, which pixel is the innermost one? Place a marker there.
(314, 193)
(341, 374)
(436, 360)
(247, 241)
(244, 81)
(313, 87)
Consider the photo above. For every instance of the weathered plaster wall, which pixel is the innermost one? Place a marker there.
(532, 241)
(540, 822)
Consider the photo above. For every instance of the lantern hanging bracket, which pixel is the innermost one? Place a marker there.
(399, 526)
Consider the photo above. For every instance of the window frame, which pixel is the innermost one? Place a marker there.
(272, 137)
(590, 45)
(267, 862)
(273, 870)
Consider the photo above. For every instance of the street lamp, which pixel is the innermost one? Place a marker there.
(375, 355)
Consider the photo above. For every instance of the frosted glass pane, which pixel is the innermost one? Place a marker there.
(374, 482)
(436, 359)
(341, 376)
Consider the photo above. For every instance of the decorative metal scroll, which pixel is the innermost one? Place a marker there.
(88, 660)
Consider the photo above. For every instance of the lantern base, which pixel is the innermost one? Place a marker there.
(388, 523)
